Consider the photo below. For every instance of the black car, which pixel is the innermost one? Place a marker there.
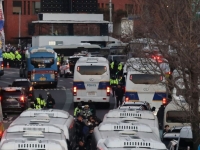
(25, 83)
(13, 99)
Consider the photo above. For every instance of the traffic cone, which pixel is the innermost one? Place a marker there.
(8, 65)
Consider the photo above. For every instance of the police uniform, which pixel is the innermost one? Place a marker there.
(113, 82)
(41, 102)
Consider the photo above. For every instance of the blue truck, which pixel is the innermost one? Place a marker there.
(40, 66)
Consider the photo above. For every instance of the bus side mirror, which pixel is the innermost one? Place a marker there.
(153, 109)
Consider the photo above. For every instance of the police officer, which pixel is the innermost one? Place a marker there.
(119, 95)
(40, 101)
(37, 106)
(86, 112)
(112, 67)
(50, 101)
(120, 67)
(113, 83)
(78, 109)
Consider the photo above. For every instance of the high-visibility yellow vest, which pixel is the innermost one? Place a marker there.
(113, 81)
(120, 66)
(112, 65)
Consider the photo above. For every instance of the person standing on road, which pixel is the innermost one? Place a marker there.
(119, 92)
(78, 109)
(113, 84)
(92, 107)
(40, 101)
(50, 101)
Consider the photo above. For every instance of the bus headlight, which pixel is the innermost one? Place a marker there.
(52, 76)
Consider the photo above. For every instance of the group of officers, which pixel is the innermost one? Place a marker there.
(86, 121)
(11, 58)
(40, 102)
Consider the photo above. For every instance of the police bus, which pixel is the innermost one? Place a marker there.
(91, 80)
(145, 82)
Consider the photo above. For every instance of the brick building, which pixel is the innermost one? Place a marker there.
(30, 8)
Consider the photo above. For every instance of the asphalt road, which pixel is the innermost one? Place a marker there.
(62, 94)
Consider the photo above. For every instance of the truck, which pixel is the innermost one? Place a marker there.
(41, 66)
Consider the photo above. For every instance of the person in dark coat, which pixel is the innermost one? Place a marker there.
(50, 101)
(92, 107)
(119, 92)
(160, 116)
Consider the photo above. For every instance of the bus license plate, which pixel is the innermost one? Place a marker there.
(91, 93)
(42, 79)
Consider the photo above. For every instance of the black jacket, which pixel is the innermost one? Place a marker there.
(50, 102)
(119, 92)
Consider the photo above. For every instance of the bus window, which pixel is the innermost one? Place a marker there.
(91, 70)
(42, 62)
(177, 117)
(145, 78)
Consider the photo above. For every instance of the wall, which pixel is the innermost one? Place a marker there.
(12, 20)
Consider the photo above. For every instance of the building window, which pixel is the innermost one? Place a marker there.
(129, 8)
(29, 7)
(24, 7)
(17, 7)
(36, 7)
(102, 5)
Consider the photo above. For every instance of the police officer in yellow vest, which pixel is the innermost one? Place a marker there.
(120, 67)
(32, 106)
(112, 67)
(113, 84)
(40, 101)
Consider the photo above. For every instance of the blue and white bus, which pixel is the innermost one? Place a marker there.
(91, 80)
(41, 66)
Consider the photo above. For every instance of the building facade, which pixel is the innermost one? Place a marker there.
(14, 19)
(19, 13)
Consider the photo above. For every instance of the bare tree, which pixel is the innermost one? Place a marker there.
(174, 24)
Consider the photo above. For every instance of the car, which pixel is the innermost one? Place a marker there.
(13, 99)
(65, 69)
(25, 83)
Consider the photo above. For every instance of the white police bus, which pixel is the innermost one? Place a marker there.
(146, 82)
(91, 80)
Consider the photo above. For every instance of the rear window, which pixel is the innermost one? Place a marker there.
(21, 84)
(145, 78)
(177, 117)
(91, 70)
(6, 94)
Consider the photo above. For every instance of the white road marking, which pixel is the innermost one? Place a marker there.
(60, 80)
(8, 78)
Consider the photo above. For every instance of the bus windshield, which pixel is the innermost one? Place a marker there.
(177, 117)
(42, 62)
(145, 78)
(91, 70)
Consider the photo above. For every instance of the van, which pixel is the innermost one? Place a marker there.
(115, 129)
(91, 80)
(59, 118)
(27, 144)
(133, 116)
(49, 132)
(131, 143)
(184, 141)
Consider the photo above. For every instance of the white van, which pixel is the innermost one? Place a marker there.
(91, 80)
(133, 116)
(131, 143)
(27, 144)
(39, 132)
(114, 129)
(59, 118)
